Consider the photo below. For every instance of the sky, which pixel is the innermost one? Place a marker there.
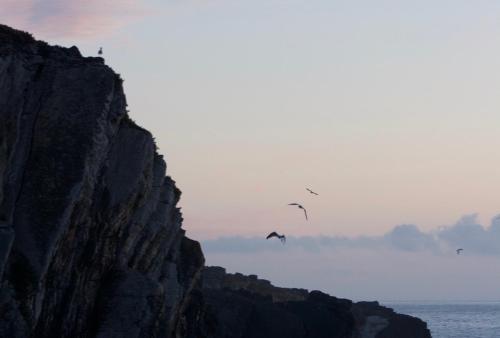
(388, 109)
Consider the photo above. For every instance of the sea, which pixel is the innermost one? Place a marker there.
(455, 319)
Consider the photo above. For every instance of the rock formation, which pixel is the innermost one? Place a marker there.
(91, 238)
(245, 306)
(91, 243)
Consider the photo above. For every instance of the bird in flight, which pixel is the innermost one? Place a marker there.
(100, 51)
(459, 251)
(312, 192)
(275, 234)
(300, 207)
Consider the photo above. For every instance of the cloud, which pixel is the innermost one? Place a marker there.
(311, 244)
(408, 237)
(71, 18)
(469, 234)
(466, 233)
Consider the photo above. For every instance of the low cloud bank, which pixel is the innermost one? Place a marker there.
(467, 233)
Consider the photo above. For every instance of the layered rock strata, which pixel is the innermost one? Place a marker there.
(91, 243)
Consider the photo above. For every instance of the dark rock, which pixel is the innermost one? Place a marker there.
(244, 306)
(91, 243)
(381, 322)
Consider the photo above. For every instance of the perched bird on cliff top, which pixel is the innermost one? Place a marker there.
(300, 207)
(459, 251)
(275, 234)
(312, 192)
(100, 51)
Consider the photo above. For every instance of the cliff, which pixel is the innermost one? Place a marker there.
(91, 243)
(91, 238)
(245, 306)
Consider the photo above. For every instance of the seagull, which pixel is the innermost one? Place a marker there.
(300, 207)
(459, 250)
(275, 234)
(100, 51)
(312, 192)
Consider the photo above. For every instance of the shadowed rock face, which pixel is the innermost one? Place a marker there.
(245, 306)
(91, 243)
(90, 235)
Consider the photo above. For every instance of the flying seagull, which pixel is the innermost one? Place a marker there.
(459, 251)
(100, 51)
(275, 234)
(300, 207)
(312, 192)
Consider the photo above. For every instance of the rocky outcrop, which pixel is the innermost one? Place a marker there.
(215, 277)
(245, 306)
(91, 243)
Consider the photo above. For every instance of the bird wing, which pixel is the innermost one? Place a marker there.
(312, 192)
(283, 239)
(272, 234)
(293, 204)
(305, 212)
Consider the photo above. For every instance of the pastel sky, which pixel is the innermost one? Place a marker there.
(388, 109)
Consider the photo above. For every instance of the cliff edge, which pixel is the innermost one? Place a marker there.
(91, 243)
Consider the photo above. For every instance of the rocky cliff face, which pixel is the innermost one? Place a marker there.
(245, 306)
(91, 243)
(90, 236)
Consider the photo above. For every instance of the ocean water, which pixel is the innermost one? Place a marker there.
(455, 320)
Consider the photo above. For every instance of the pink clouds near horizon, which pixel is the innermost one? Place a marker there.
(59, 19)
